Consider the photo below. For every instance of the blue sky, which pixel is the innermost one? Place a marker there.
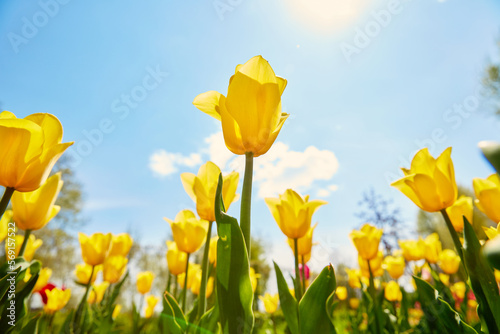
(355, 117)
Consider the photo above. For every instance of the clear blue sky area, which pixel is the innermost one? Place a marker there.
(369, 83)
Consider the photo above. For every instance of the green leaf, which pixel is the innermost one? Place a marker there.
(32, 325)
(313, 317)
(234, 288)
(482, 280)
(209, 321)
(288, 303)
(66, 327)
(439, 314)
(172, 314)
(491, 151)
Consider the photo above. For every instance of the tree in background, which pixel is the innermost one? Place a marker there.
(491, 82)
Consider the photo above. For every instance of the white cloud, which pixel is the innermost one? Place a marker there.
(164, 163)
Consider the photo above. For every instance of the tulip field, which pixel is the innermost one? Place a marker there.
(418, 287)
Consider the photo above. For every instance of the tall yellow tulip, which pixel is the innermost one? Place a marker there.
(176, 260)
(253, 279)
(120, 244)
(353, 278)
(31, 247)
(181, 279)
(201, 188)
(94, 248)
(449, 261)
(488, 196)
(395, 266)
(30, 148)
(293, 213)
(270, 302)
(367, 240)
(392, 292)
(429, 183)
(33, 210)
(56, 300)
(212, 254)
(432, 248)
(97, 293)
(113, 268)
(144, 282)
(83, 272)
(413, 250)
(304, 244)
(251, 114)
(150, 307)
(462, 207)
(375, 265)
(43, 279)
(341, 292)
(4, 224)
(189, 232)
(196, 284)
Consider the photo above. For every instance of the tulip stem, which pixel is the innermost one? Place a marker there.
(176, 286)
(202, 301)
(168, 282)
(184, 290)
(27, 234)
(246, 201)
(454, 236)
(303, 275)
(298, 292)
(5, 199)
(371, 290)
(76, 322)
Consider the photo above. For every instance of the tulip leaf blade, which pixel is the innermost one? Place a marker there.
(172, 316)
(288, 303)
(234, 289)
(482, 279)
(439, 315)
(313, 317)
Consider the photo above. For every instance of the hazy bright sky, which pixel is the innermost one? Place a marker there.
(368, 85)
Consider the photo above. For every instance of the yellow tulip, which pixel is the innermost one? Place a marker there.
(375, 265)
(120, 244)
(94, 248)
(413, 250)
(116, 311)
(97, 293)
(462, 207)
(201, 188)
(196, 284)
(33, 210)
(293, 213)
(251, 114)
(114, 267)
(212, 252)
(189, 232)
(432, 248)
(151, 304)
(270, 302)
(488, 196)
(193, 270)
(366, 240)
(497, 275)
(144, 281)
(305, 243)
(459, 289)
(341, 292)
(176, 260)
(4, 224)
(83, 272)
(492, 232)
(392, 292)
(43, 279)
(444, 278)
(429, 183)
(353, 278)
(395, 266)
(449, 261)
(31, 247)
(354, 303)
(56, 300)
(253, 279)
(30, 148)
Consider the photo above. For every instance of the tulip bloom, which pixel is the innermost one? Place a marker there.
(392, 292)
(196, 284)
(449, 261)
(114, 267)
(341, 292)
(144, 282)
(33, 210)
(444, 278)
(83, 272)
(413, 250)
(353, 278)
(253, 279)
(429, 183)
(56, 300)
(395, 266)
(194, 268)
(43, 279)
(492, 232)
(304, 244)
(293, 213)
(176, 260)
(458, 289)
(488, 196)
(31, 247)
(432, 248)
(151, 304)
(94, 248)
(270, 302)
(212, 253)
(251, 114)
(462, 207)
(4, 224)
(366, 240)
(97, 293)
(375, 265)
(120, 244)
(354, 303)
(189, 232)
(30, 148)
(202, 187)
(116, 311)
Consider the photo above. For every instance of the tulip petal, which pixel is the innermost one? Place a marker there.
(208, 102)
(187, 180)
(229, 187)
(273, 136)
(403, 186)
(423, 162)
(231, 131)
(51, 126)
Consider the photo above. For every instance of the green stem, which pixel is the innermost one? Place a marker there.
(5, 200)
(202, 301)
(454, 236)
(27, 234)
(169, 281)
(372, 292)
(274, 324)
(176, 286)
(303, 275)
(246, 200)
(298, 292)
(76, 322)
(184, 290)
